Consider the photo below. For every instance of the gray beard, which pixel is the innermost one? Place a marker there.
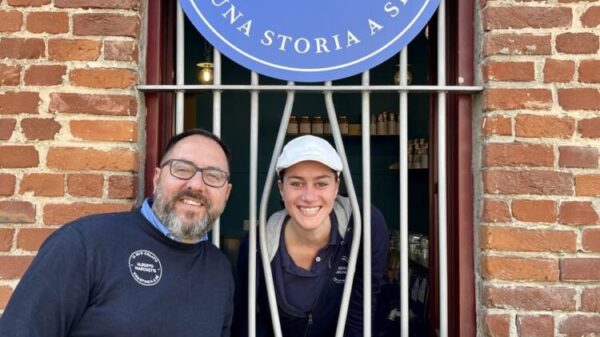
(186, 229)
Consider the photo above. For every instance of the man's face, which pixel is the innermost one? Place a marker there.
(190, 207)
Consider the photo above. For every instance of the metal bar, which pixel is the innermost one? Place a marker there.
(266, 263)
(179, 70)
(441, 149)
(366, 166)
(315, 88)
(403, 163)
(252, 207)
(339, 145)
(216, 231)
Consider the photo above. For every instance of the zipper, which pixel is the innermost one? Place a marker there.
(309, 324)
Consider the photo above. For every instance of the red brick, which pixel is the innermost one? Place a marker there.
(579, 99)
(509, 71)
(517, 44)
(11, 21)
(19, 102)
(18, 48)
(496, 325)
(495, 211)
(578, 156)
(58, 214)
(526, 240)
(45, 74)
(587, 185)
(100, 24)
(577, 213)
(111, 105)
(73, 50)
(28, 3)
(85, 185)
(18, 156)
(531, 298)
(122, 187)
(30, 239)
(497, 125)
(579, 325)
(535, 325)
(13, 267)
(43, 184)
(517, 17)
(121, 131)
(10, 75)
(577, 43)
(580, 269)
(519, 269)
(16, 212)
(71, 158)
(48, 22)
(511, 99)
(528, 182)
(40, 128)
(558, 71)
(589, 128)
(103, 78)
(120, 51)
(590, 239)
(544, 126)
(591, 17)
(5, 294)
(7, 127)
(535, 210)
(7, 184)
(108, 4)
(590, 299)
(501, 154)
(589, 71)
(6, 239)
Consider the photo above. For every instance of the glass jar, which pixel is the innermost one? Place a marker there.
(292, 128)
(317, 125)
(344, 125)
(326, 126)
(304, 125)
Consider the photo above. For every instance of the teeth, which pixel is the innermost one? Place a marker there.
(190, 202)
(309, 210)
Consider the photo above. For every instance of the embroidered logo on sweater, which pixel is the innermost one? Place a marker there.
(342, 269)
(145, 267)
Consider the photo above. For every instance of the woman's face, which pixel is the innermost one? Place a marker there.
(308, 190)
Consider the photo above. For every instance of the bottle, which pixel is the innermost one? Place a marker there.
(392, 126)
(292, 128)
(326, 126)
(373, 124)
(304, 127)
(316, 125)
(343, 123)
(380, 125)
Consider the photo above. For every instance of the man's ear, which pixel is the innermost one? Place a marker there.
(155, 179)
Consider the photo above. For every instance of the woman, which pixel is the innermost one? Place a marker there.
(309, 244)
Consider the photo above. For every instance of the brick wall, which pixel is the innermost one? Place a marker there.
(539, 178)
(70, 119)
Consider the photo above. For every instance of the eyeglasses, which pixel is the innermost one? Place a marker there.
(183, 169)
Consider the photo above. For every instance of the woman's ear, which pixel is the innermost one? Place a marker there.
(280, 186)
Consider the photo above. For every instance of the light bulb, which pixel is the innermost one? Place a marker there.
(205, 73)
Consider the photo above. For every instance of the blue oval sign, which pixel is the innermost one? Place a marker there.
(309, 40)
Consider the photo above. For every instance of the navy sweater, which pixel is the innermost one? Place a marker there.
(322, 319)
(116, 275)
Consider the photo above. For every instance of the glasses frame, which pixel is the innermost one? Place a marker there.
(197, 169)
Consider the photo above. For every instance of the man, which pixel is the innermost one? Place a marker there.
(148, 272)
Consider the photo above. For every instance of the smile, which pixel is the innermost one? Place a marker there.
(191, 202)
(309, 210)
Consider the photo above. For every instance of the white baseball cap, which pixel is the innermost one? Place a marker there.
(305, 148)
